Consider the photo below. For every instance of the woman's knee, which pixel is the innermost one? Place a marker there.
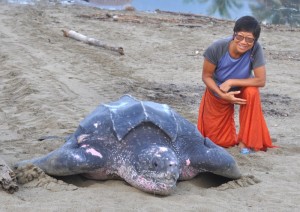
(250, 92)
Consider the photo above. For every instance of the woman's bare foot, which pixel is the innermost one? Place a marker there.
(241, 145)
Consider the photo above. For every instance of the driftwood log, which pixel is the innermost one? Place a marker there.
(91, 41)
(8, 181)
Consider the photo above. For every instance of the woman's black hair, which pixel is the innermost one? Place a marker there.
(247, 24)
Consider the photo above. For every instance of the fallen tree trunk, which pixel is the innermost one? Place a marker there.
(91, 41)
(8, 180)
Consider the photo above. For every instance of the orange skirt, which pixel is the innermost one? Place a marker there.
(216, 121)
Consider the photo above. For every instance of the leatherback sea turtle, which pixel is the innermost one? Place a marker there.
(145, 143)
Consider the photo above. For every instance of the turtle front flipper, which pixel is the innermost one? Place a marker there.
(68, 161)
(202, 155)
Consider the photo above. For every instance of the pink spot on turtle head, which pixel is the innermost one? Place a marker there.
(163, 149)
(94, 152)
(188, 162)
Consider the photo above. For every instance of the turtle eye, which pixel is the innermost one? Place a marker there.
(155, 164)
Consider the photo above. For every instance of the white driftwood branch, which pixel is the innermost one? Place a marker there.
(7, 178)
(91, 41)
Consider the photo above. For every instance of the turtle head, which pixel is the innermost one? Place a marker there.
(155, 169)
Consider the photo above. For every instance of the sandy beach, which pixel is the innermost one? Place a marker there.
(49, 83)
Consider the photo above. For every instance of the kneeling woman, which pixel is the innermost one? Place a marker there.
(233, 70)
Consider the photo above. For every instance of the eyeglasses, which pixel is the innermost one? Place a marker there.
(241, 37)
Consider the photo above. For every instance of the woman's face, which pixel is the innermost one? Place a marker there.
(243, 41)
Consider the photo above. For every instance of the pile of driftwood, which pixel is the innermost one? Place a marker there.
(180, 19)
(8, 181)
